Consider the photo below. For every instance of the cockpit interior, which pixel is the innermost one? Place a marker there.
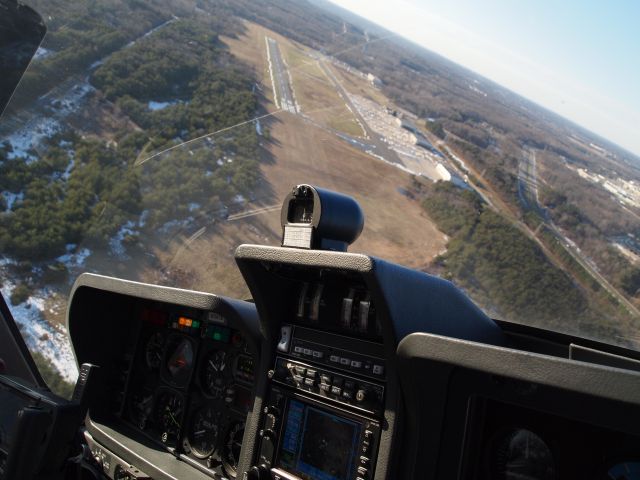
(342, 366)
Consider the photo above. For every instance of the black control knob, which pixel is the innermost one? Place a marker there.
(362, 395)
(259, 473)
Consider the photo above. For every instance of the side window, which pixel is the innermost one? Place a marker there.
(48, 356)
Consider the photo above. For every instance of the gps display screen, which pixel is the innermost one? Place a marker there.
(318, 445)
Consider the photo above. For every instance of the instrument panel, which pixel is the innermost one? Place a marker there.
(190, 386)
(327, 402)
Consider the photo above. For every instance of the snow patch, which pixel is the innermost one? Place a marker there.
(52, 341)
(96, 64)
(67, 171)
(116, 242)
(143, 218)
(11, 198)
(42, 53)
(74, 260)
(160, 105)
(40, 127)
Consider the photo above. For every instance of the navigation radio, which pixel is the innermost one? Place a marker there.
(302, 438)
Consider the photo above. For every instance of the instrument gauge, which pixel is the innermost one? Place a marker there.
(244, 368)
(179, 359)
(140, 407)
(231, 448)
(168, 415)
(153, 351)
(202, 437)
(520, 453)
(217, 373)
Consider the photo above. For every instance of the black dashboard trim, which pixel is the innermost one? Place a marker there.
(577, 376)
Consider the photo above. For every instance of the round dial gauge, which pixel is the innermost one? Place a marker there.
(520, 453)
(231, 448)
(153, 351)
(217, 373)
(179, 357)
(168, 415)
(203, 431)
(140, 407)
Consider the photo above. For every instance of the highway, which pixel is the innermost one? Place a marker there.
(528, 193)
(283, 92)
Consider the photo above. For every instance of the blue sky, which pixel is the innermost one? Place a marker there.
(580, 59)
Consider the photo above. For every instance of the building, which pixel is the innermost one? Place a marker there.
(373, 80)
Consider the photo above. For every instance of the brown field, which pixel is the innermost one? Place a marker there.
(395, 228)
(251, 49)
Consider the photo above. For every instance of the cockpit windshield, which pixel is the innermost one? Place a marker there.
(147, 140)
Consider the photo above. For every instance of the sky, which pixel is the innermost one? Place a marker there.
(580, 59)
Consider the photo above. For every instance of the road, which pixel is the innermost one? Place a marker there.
(528, 193)
(283, 92)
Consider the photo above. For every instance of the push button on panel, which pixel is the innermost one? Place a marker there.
(366, 448)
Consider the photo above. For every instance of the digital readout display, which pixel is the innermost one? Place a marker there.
(318, 445)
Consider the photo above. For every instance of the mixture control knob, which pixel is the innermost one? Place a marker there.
(259, 473)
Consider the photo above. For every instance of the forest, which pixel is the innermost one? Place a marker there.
(506, 272)
(85, 189)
